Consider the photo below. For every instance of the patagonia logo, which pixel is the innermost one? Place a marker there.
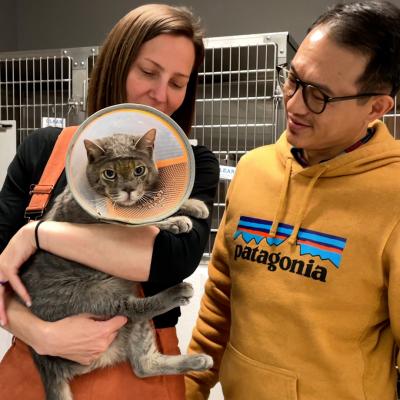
(275, 261)
(325, 246)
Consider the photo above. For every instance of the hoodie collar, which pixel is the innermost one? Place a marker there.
(298, 154)
(380, 149)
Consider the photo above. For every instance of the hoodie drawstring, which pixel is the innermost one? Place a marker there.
(282, 198)
(293, 237)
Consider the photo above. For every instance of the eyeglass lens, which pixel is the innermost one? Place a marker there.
(313, 97)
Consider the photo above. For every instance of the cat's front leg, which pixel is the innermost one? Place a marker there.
(178, 224)
(195, 208)
(146, 360)
(146, 308)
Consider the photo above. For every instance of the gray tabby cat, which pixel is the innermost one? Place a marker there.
(120, 167)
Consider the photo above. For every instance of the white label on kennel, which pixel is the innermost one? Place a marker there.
(52, 121)
(226, 172)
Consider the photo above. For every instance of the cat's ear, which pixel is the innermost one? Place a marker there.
(146, 142)
(93, 150)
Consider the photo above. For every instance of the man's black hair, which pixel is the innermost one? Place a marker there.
(373, 29)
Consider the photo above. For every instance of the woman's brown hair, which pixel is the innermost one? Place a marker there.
(122, 45)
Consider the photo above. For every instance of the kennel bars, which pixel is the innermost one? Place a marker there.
(238, 107)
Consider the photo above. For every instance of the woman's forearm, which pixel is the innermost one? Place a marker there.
(25, 325)
(80, 338)
(121, 251)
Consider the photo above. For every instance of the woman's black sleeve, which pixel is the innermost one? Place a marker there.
(24, 170)
(175, 257)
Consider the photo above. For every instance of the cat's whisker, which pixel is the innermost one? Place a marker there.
(99, 203)
(147, 200)
(144, 202)
(153, 193)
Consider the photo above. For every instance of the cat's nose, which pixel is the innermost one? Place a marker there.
(133, 195)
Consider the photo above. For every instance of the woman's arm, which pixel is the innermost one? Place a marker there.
(117, 250)
(121, 251)
(79, 338)
(175, 257)
(138, 253)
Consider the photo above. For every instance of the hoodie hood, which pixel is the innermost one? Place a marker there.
(382, 149)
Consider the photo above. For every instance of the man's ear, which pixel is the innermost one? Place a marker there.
(380, 106)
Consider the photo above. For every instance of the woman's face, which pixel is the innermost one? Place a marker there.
(160, 73)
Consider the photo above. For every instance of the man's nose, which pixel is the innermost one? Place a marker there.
(296, 103)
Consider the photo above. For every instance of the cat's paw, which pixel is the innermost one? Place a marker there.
(179, 224)
(181, 293)
(195, 208)
(200, 362)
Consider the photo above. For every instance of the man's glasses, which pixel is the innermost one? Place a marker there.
(313, 97)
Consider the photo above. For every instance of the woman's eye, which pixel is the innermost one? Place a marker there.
(147, 72)
(178, 85)
(139, 171)
(109, 174)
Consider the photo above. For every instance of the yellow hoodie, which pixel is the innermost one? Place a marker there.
(303, 296)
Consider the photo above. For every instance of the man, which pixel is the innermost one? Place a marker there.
(303, 296)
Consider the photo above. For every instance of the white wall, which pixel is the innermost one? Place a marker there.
(5, 342)
(49, 24)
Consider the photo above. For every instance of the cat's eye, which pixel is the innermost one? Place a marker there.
(140, 170)
(109, 174)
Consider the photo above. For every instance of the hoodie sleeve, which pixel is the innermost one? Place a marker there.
(392, 267)
(211, 332)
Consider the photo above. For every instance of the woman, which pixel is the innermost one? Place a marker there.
(150, 57)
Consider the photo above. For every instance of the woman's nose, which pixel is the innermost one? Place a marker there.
(159, 91)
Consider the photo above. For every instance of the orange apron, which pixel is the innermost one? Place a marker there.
(20, 380)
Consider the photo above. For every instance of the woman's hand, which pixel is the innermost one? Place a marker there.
(80, 338)
(21, 246)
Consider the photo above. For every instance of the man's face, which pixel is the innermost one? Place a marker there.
(335, 69)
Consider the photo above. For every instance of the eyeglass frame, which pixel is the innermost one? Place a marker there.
(327, 99)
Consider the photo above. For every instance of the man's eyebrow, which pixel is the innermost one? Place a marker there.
(325, 89)
(162, 69)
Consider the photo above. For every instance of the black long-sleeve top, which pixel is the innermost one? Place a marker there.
(175, 257)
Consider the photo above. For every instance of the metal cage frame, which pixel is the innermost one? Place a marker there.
(238, 107)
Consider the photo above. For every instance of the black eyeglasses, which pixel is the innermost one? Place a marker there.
(314, 98)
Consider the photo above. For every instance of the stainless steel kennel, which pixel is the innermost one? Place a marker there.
(238, 107)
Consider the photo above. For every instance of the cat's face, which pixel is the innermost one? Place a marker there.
(121, 167)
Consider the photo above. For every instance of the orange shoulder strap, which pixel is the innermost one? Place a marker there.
(55, 165)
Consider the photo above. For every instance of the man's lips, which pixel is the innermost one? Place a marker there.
(296, 124)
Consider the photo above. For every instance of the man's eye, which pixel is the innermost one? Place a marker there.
(290, 81)
(139, 171)
(316, 94)
(109, 174)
